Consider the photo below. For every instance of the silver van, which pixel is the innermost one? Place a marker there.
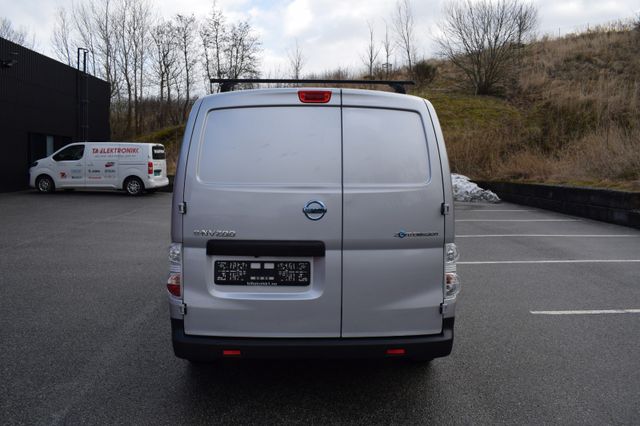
(314, 223)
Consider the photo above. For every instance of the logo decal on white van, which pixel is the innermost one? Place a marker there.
(406, 234)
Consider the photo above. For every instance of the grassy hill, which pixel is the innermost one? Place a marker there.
(571, 115)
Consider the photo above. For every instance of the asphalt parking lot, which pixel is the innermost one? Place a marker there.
(542, 335)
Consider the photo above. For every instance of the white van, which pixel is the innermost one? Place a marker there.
(133, 167)
(312, 223)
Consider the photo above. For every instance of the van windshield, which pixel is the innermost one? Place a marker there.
(157, 152)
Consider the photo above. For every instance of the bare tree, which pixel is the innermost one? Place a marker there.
(241, 51)
(92, 25)
(132, 46)
(104, 28)
(403, 24)
(483, 39)
(387, 48)
(164, 58)
(371, 55)
(132, 21)
(230, 51)
(83, 23)
(213, 37)
(61, 38)
(296, 60)
(17, 35)
(185, 27)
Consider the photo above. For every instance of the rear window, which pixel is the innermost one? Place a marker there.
(384, 147)
(274, 145)
(157, 152)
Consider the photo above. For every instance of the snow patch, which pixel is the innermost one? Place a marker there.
(465, 190)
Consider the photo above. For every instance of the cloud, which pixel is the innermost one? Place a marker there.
(331, 33)
(298, 18)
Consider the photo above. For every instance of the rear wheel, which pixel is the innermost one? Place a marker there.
(45, 184)
(133, 186)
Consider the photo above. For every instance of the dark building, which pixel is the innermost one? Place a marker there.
(44, 105)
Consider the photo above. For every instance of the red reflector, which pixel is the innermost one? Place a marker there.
(230, 352)
(150, 167)
(174, 289)
(395, 352)
(314, 96)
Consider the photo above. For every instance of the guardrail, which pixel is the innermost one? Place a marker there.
(619, 207)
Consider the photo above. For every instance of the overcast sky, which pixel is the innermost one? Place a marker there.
(331, 33)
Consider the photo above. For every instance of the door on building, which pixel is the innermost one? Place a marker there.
(41, 145)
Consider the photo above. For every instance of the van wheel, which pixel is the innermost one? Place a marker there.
(45, 184)
(133, 186)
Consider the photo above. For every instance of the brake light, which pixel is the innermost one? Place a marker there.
(150, 167)
(314, 96)
(174, 282)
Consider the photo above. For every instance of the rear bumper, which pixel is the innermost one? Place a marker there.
(157, 182)
(201, 348)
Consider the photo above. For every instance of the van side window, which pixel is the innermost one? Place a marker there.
(73, 153)
(271, 146)
(384, 146)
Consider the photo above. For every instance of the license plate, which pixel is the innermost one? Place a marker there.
(157, 172)
(260, 273)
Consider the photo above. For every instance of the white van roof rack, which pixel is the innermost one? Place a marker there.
(228, 84)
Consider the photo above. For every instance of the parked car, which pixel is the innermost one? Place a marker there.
(312, 223)
(132, 167)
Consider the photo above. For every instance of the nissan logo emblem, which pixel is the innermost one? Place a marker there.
(314, 210)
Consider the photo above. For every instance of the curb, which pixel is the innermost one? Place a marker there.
(619, 207)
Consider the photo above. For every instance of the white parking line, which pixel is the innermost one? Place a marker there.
(516, 262)
(551, 235)
(588, 312)
(518, 220)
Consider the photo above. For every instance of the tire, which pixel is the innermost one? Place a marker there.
(45, 184)
(133, 186)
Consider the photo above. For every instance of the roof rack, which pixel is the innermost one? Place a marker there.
(228, 84)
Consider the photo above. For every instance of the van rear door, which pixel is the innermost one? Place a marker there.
(255, 265)
(158, 157)
(393, 227)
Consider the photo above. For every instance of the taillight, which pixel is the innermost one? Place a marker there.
(174, 282)
(396, 351)
(451, 279)
(314, 96)
(150, 167)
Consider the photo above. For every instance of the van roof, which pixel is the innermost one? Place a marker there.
(117, 143)
(289, 96)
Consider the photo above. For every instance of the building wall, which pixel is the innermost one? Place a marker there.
(40, 106)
